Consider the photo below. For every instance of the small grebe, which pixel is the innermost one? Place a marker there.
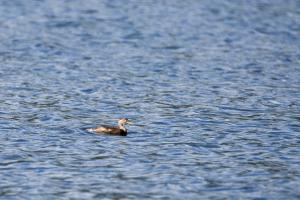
(121, 130)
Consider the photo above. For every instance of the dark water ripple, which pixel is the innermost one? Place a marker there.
(212, 86)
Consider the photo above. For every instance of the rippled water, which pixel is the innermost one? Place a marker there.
(213, 89)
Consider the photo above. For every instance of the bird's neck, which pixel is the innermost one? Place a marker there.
(122, 126)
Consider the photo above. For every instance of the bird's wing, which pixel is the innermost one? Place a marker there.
(104, 129)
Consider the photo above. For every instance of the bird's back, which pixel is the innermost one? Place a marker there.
(109, 130)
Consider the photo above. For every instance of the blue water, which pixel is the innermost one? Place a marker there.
(212, 86)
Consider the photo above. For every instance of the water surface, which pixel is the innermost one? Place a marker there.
(213, 89)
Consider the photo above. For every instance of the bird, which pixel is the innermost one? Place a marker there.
(120, 130)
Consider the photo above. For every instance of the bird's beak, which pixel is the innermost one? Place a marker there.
(129, 122)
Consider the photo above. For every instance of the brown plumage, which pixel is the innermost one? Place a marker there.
(120, 130)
